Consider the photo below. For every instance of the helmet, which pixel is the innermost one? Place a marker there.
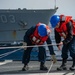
(42, 30)
(54, 20)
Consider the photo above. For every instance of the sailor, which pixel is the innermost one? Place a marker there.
(64, 26)
(37, 35)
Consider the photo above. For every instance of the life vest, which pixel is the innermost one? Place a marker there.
(36, 38)
(63, 28)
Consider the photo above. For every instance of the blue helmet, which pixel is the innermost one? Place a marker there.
(42, 30)
(54, 20)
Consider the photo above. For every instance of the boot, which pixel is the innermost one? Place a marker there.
(25, 68)
(73, 65)
(42, 66)
(63, 66)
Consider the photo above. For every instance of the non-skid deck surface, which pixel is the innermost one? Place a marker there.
(14, 67)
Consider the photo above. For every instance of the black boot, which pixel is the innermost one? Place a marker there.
(42, 66)
(25, 68)
(73, 65)
(63, 66)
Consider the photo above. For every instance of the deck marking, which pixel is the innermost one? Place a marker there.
(5, 62)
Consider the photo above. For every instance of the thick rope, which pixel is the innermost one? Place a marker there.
(50, 68)
(28, 46)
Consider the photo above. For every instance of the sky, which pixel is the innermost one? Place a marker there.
(65, 6)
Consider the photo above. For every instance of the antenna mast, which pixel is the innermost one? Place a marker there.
(55, 4)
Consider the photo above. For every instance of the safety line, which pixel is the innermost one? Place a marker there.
(28, 46)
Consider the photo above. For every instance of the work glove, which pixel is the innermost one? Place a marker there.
(25, 44)
(53, 58)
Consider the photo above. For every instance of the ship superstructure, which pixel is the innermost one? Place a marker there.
(14, 23)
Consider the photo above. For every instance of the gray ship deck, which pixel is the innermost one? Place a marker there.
(14, 67)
